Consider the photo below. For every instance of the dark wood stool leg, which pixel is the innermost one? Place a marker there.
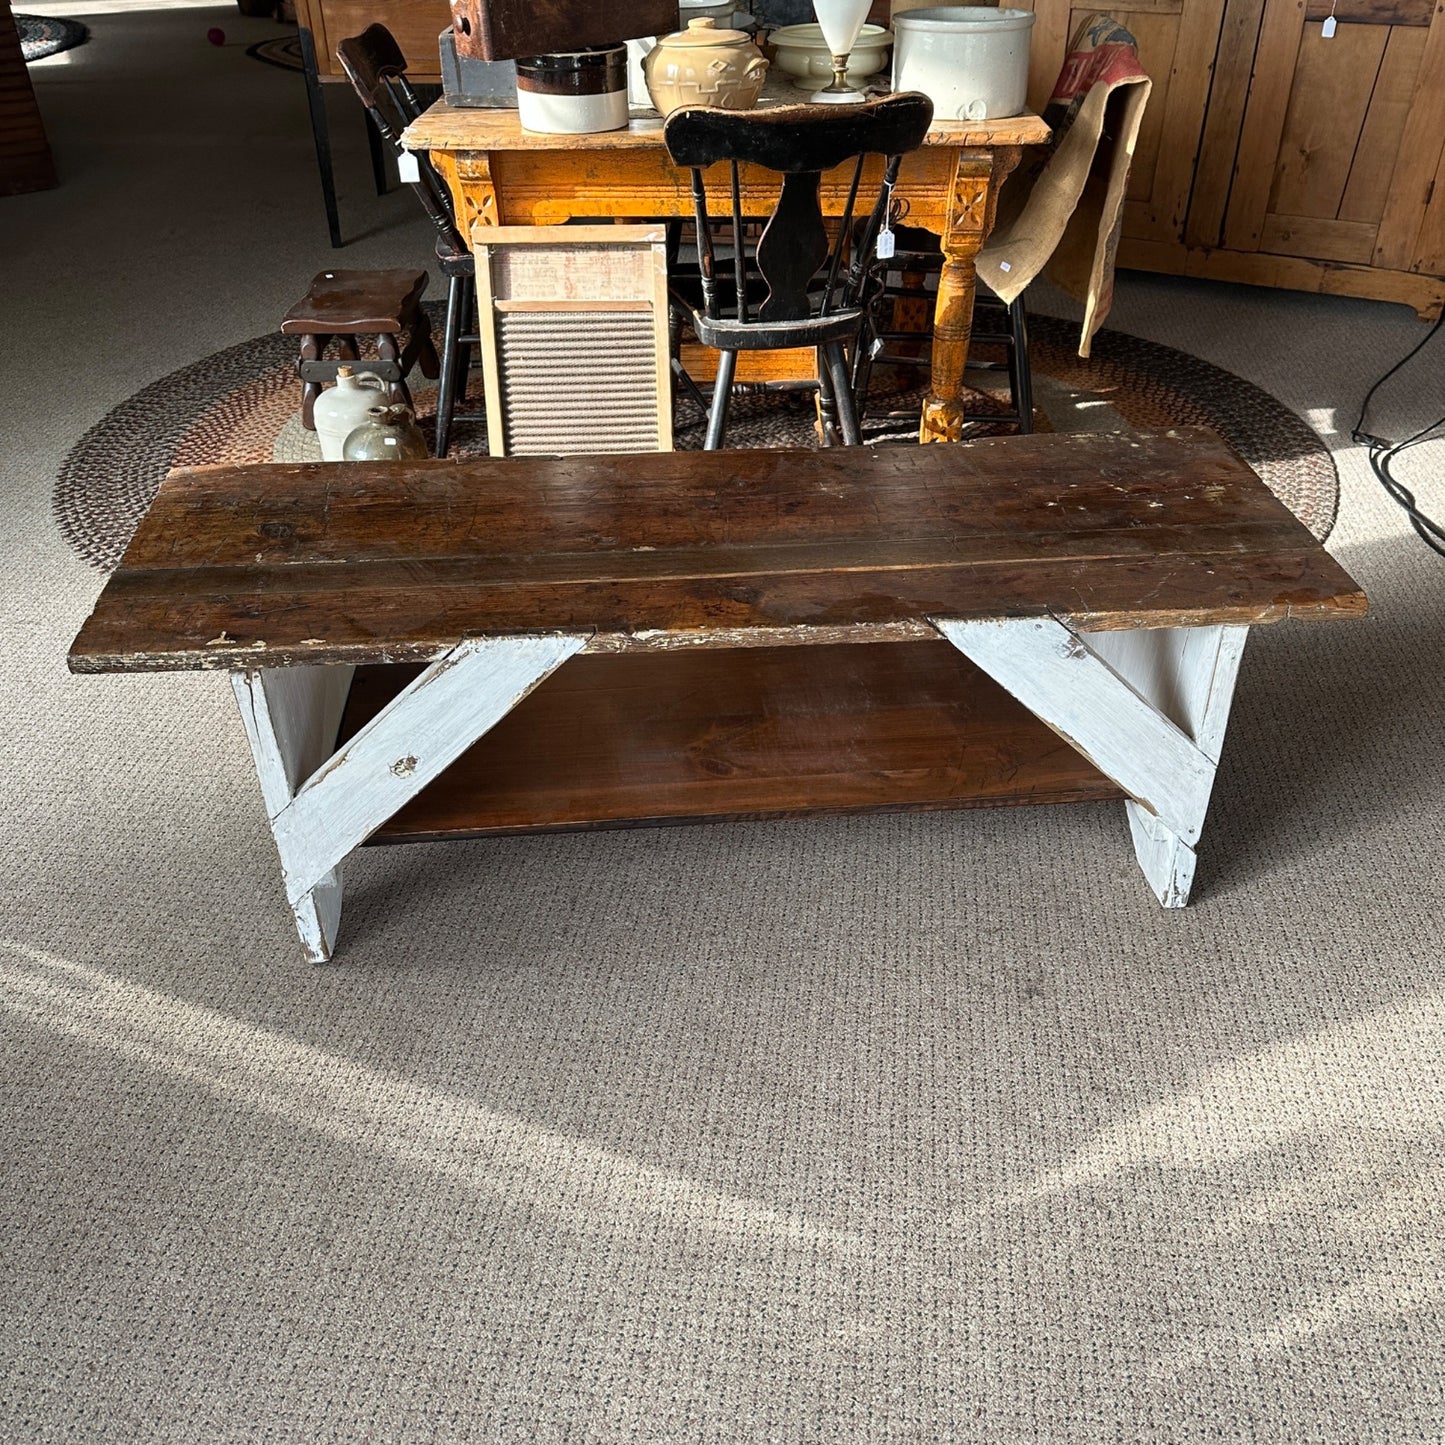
(423, 347)
(312, 349)
(387, 350)
(346, 345)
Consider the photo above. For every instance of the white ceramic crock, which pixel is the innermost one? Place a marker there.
(576, 93)
(971, 62)
(340, 409)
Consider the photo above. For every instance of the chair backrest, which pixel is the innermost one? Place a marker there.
(376, 68)
(800, 143)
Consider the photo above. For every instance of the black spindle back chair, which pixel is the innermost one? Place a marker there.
(374, 64)
(814, 289)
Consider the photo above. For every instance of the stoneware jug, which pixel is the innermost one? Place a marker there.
(340, 409)
(389, 434)
(703, 65)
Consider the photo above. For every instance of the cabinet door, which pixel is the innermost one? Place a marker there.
(416, 25)
(1177, 40)
(1340, 136)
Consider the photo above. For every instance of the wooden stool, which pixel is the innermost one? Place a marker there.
(346, 304)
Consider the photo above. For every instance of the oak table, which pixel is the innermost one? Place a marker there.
(502, 175)
(752, 634)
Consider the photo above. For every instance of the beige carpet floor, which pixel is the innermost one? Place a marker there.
(913, 1128)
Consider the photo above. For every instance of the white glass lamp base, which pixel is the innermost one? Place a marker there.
(828, 96)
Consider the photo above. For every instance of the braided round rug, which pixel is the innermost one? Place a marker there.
(41, 36)
(283, 52)
(241, 406)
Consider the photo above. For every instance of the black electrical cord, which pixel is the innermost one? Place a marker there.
(1382, 453)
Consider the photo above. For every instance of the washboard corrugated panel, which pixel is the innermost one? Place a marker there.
(574, 338)
(578, 382)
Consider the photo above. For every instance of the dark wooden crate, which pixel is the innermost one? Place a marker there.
(505, 29)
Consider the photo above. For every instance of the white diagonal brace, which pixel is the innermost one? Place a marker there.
(422, 731)
(291, 716)
(1053, 672)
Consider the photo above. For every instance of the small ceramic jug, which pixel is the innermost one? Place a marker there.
(389, 434)
(703, 65)
(340, 409)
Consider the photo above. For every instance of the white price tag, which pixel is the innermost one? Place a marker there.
(885, 244)
(407, 168)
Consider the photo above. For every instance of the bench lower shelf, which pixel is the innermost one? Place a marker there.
(687, 736)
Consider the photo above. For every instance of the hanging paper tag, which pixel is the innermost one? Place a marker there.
(885, 244)
(407, 170)
(1327, 30)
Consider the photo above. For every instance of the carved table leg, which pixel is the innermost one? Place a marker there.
(972, 204)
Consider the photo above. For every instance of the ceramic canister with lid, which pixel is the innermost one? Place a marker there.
(970, 61)
(705, 65)
(574, 93)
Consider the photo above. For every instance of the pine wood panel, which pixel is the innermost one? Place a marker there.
(1264, 120)
(1430, 247)
(1327, 240)
(346, 563)
(1422, 147)
(1329, 95)
(1224, 119)
(1425, 294)
(1368, 187)
(1373, 12)
(753, 732)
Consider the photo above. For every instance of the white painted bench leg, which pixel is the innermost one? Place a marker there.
(1148, 707)
(321, 805)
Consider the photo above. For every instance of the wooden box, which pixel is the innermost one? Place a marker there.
(505, 29)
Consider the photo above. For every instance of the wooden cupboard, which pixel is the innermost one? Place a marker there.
(416, 24)
(1274, 154)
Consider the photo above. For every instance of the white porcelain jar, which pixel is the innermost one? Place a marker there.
(970, 61)
(801, 51)
(340, 409)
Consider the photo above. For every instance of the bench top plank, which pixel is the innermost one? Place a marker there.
(243, 567)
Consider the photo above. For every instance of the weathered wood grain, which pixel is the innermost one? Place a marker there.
(269, 566)
(615, 740)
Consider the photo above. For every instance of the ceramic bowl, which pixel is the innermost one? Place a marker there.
(802, 53)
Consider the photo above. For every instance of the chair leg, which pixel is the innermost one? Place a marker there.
(1023, 377)
(464, 348)
(446, 386)
(717, 417)
(827, 424)
(843, 394)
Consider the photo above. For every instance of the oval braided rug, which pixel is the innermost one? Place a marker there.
(240, 406)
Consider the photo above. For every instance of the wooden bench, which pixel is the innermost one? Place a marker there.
(760, 633)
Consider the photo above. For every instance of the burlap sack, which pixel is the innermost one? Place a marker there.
(1061, 211)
